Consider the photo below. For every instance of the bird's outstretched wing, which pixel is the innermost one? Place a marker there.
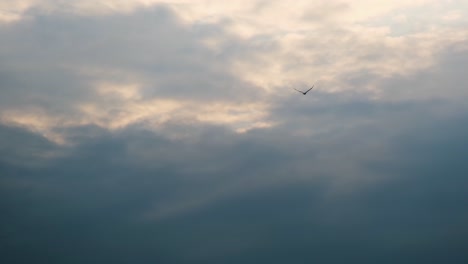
(298, 91)
(309, 89)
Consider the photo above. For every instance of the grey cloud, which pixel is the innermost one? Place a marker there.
(261, 196)
(63, 56)
(443, 81)
(326, 12)
(340, 178)
(24, 148)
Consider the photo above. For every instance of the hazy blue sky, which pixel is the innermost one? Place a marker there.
(169, 132)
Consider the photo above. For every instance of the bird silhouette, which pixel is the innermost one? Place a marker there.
(304, 93)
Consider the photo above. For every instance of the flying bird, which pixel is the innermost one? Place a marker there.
(304, 93)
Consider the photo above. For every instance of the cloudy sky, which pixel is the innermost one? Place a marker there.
(152, 131)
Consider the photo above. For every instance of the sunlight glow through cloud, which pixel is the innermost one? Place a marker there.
(272, 46)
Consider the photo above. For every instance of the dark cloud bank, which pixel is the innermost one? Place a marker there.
(265, 196)
(340, 179)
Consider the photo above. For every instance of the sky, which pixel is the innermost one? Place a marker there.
(152, 131)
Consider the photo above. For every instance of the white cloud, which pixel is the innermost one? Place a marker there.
(118, 63)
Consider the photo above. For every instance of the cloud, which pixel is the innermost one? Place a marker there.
(168, 132)
(143, 66)
(386, 185)
(153, 65)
